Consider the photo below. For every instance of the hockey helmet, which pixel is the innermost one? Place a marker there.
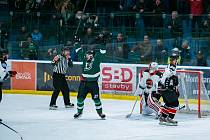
(3, 52)
(153, 66)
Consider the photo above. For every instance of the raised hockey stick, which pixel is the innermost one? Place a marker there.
(11, 129)
(129, 115)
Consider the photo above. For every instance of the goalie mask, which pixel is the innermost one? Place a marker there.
(153, 67)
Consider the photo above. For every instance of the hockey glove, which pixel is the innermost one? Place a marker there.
(12, 73)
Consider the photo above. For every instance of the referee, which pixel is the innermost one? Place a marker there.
(61, 63)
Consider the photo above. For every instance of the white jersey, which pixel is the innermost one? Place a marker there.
(169, 71)
(148, 82)
(3, 71)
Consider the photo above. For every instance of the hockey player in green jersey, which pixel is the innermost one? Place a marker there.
(89, 81)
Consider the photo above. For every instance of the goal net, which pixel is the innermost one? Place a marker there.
(193, 93)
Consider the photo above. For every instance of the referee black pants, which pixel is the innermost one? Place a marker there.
(60, 84)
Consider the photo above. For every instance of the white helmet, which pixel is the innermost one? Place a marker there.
(153, 67)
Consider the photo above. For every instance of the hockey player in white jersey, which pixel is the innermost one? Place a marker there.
(5, 72)
(148, 87)
(170, 93)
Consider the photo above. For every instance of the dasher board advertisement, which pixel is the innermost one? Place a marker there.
(118, 78)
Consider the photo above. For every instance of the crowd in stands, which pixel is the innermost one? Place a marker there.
(147, 30)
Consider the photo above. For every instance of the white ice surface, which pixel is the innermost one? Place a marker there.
(30, 116)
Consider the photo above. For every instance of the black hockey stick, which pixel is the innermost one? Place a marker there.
(129, 115)
(11, 129)
(181, 107)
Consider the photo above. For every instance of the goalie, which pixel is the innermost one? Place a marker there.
(170, 93)
(147, 88)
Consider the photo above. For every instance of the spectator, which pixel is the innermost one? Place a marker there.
(23, 35)
(92, 21)
(196, 10)
(30, 6)
(160, 52)
(36, 36)
(80, 17)
(4, 36)
(183, 7)
(67, 11)
(47, 6)
(140, 5)
(187, 55)
(121, 48)
(158, 10)
(145, 49)
(89, 38)
(201, 60)
(37, 39)
(206, 25)
(127, 6)
(170, 5)
(148, 9)
(20, 5)
(174, 25)
(29, 49)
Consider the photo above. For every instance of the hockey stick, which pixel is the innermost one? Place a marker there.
(181, 107)
(12, 130)
(80, 20)
(129, 115)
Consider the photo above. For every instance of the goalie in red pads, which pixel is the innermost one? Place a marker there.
(169, 92)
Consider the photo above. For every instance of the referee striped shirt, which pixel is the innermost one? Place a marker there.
(62, 65)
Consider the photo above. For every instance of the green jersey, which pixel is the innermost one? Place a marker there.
(91, 70)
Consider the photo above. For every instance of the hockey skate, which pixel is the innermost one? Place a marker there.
(71, 105)
(103, 116)
(171, 122)
(0, 120)
(162, 120)
(77, 115)
(53, 107)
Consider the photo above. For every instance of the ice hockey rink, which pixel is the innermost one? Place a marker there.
(30, 116)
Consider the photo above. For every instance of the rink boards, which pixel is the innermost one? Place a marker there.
(117, 81)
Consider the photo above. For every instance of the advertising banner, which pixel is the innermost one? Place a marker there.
(116, 78)
(26, 76)
(44, 77)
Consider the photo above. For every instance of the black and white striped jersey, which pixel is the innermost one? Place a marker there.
(62, 64)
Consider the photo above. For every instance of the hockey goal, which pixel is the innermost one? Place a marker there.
(194, 97)
(193, 92)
